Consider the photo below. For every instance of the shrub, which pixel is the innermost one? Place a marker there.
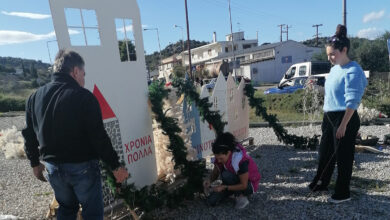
(377, 95)
(8, 103)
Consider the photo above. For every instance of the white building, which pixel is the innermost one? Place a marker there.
(166, 68)
(268, 63)
(262, 64)
(202, 56)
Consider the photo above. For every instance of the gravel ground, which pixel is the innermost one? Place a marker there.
(21, 194)
(282, 193)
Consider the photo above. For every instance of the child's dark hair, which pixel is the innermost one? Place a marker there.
(224, 142)
(340, 39)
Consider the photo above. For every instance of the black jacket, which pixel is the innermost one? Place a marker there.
(64, 125)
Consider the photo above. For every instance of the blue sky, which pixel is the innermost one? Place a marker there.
(26, 26)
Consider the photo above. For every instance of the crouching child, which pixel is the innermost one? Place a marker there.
(237, 170)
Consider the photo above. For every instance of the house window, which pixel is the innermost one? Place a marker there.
(246, 46)
(226, 49)
(242, 58)
(235, 47)
(209, 52)
(82, 26)
(126, 41)
(215, 103)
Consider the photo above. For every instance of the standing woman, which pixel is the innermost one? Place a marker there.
(344, 88)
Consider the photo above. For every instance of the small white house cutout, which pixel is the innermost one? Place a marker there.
(108, 35)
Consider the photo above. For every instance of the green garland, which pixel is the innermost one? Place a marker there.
(187, 88)
(299, 142)
(151, 197)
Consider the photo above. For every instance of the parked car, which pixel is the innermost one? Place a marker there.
(210, 83)
(292, 85)
(288, 86)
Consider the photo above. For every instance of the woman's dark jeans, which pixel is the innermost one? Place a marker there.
(344, 156)
(229, 179)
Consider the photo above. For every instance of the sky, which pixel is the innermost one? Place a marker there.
(26, 27)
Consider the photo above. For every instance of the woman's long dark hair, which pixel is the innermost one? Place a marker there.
(225, 142)
(340, 39)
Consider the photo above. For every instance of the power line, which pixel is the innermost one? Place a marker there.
(239, 8)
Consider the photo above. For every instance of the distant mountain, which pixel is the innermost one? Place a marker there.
(313, 42)
(18, 75)
(12, 62)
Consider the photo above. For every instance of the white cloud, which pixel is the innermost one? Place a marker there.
(27, 15)
(369, 33)
(72, 31)
(129, 28)
(373, 16)
(18, 37)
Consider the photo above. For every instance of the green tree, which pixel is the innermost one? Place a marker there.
(373, 55)
(123, 51)
(370, 54)
(179, 71)
(153, 60)
(320, 56)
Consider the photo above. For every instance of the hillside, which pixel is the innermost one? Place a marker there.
(370, 54)
(18, 79)
(152, 60)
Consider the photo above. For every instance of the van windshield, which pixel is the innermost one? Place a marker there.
(320, 68)
(290, 73)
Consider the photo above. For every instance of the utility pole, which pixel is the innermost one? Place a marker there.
(281, 31)
(182, 35)
(188, 42)
(231, 33)
(345, 13)
(48, 50)
(287, 27)
(159, 46)
(316, 26)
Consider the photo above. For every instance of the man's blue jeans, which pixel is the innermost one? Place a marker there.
(74, 184)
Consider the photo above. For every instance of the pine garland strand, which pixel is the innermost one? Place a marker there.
(299, 142)
(151, 197)
(187, 88)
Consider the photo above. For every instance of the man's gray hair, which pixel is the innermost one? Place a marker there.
(66, 60)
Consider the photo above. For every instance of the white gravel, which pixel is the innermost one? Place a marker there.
(282, 194)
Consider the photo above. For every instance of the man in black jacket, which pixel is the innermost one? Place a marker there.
(64, 129)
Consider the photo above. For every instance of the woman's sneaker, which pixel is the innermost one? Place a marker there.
(338, 199)
(241, 202)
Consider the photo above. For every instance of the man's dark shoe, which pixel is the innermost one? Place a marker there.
(317, 188)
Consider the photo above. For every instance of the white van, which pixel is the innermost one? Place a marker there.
(314, 68)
